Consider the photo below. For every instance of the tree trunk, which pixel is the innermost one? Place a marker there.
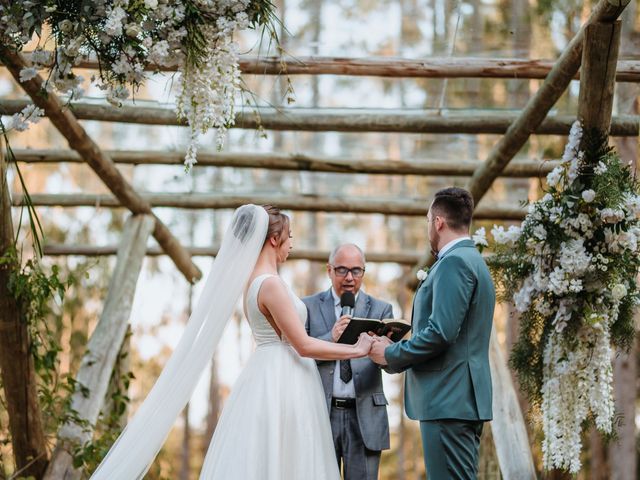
(16, 363)
(622, 453)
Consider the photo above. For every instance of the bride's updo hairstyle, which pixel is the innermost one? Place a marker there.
(278, 224)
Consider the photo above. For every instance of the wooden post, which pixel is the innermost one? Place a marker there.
(508, 427)
(599, 57)
(103, 347)
(538, 107)
(295, 162)
(390, 67)
(311, 203)
(68, 125)
(16, 363)
(337, 119)
(597, 83)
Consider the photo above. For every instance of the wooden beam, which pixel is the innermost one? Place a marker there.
(308, 203)
(599, 57)
(19, 380)
(53, 250)
(534, 113)
(508, 427)
(79, 140)
(390, 67)
(336, 120)
(293, 162)
(103, 348)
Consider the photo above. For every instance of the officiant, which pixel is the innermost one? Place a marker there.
(353, 388)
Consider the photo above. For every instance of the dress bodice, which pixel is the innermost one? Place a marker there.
(263, 332)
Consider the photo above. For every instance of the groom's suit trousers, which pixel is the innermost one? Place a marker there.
(451, 448)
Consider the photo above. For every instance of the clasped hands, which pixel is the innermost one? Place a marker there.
(368, 344)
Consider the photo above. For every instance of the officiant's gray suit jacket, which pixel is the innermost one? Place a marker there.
(371, 403)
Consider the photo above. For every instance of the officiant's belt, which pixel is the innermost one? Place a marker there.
(343, 402)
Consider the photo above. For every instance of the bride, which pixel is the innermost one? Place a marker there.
(275, 424)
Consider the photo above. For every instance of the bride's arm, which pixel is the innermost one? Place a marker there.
(274, 297)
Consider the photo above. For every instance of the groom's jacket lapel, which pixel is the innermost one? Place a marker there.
(432, 271)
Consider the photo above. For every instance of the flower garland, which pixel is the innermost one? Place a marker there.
(127, 36)
(571, 270)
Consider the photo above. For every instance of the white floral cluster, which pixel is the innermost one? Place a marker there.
(207, 93)
(577, 380)
(128, 35)
(572, 238)
(20, 121)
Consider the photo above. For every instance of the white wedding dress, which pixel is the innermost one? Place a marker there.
(275, 424)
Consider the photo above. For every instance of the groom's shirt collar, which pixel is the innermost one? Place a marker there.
(449, 245)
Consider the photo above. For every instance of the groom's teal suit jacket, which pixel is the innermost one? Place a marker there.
(447, 357)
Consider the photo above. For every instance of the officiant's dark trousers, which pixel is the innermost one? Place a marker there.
(451, 448)
(355, 460)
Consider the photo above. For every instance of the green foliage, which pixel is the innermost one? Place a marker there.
(109, 424)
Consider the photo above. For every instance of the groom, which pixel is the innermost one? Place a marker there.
(448, 382)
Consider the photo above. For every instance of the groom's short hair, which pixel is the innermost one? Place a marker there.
(456, 205)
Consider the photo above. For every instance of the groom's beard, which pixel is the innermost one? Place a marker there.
(434, 239)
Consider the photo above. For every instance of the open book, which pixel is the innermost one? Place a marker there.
(356, 326)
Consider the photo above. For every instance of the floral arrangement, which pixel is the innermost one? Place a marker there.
(571, 271)
(127, 36)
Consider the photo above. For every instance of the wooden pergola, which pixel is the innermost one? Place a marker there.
(594, 48)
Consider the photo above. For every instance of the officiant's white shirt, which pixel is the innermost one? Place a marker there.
(341, 389)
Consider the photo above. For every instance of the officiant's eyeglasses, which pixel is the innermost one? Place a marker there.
(357, 272)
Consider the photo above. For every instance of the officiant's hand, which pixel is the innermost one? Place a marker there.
(377, 350)
(339, 327)
(363, 345)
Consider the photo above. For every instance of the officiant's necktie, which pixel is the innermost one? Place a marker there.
(345, 371)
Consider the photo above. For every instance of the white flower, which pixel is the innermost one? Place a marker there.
(421, 275)
(600, 168)
(113, 25)
(65, 26)
(618, 292)
(609, 215)
(539, 232)
(132, 30)
(554, 176)
(40, 57)
(588, 196)
(27, 73)
(151, 4)
(522, 298)
(20, 121)
(480, 237)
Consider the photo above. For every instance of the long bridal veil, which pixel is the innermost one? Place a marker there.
(132, 453)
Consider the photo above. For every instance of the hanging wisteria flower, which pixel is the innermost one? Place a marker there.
(127, 37)
(571, 271)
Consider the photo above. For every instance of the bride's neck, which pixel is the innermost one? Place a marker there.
(267, 261)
